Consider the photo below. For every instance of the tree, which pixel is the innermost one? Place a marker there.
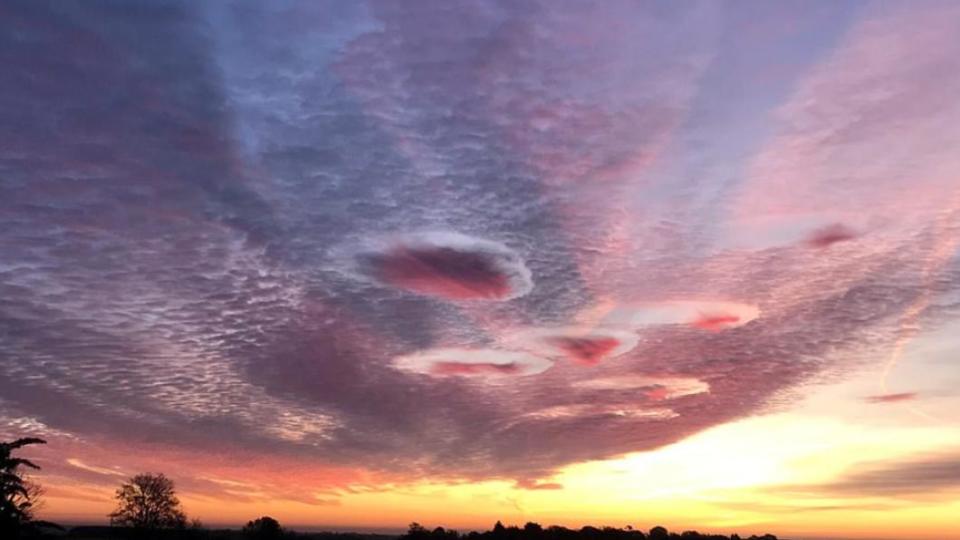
(658, 533)
(416, 531)
(532, 529)
(440, 533)
(18, 496)
(263, 528)
(148, 501)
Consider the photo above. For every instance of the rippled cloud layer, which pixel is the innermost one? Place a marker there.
(468, 239)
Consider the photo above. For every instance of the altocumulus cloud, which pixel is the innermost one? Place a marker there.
(213, 227)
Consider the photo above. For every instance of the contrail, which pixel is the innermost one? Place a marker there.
(943, 251)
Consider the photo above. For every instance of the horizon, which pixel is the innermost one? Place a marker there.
(370, 262)
(397, 531)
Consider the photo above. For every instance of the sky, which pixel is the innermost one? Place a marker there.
(355, 264)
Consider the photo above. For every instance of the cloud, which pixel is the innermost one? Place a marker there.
(829, 235)
(703, 314)
(658, 388)
(891, 398)
(580, 411)
(446, 265)
(585, 346)
(93, 468)
(715, 322)
(212, 231)
(799, 506)
(472, 362)
(538, 486)
(879, 93)
(909, 477)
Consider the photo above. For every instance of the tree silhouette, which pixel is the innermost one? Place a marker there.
(659, 533)
(18, 496)
(416, 531)
(148, 501)
(263, 528)
(534, 531)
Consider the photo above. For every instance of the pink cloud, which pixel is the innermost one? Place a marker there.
(715, 322)
(861, 138)
(538, 485)
(447, 265)
(588, 351)
(586, 345)
(891, 398)
(443, 368)
(444, 362)
(830, 235)
(442, 272)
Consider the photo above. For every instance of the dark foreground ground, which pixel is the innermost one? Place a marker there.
(531, 531)
(119, 533)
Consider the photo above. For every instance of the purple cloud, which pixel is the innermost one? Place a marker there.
(904, 478)
(446, 265)
(190, 194)
(829, 235)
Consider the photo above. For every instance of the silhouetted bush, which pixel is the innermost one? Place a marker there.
(263, 528)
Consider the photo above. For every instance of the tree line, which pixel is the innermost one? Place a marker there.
(148, 507)
(535, 531)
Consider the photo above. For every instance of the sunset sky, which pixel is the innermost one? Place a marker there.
(355, 264)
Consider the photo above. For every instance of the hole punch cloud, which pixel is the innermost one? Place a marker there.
(587, 347)
(588, 350)
(656, 388)
(445, 265)
(709, 315)
(715, 322)
(472, 363)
